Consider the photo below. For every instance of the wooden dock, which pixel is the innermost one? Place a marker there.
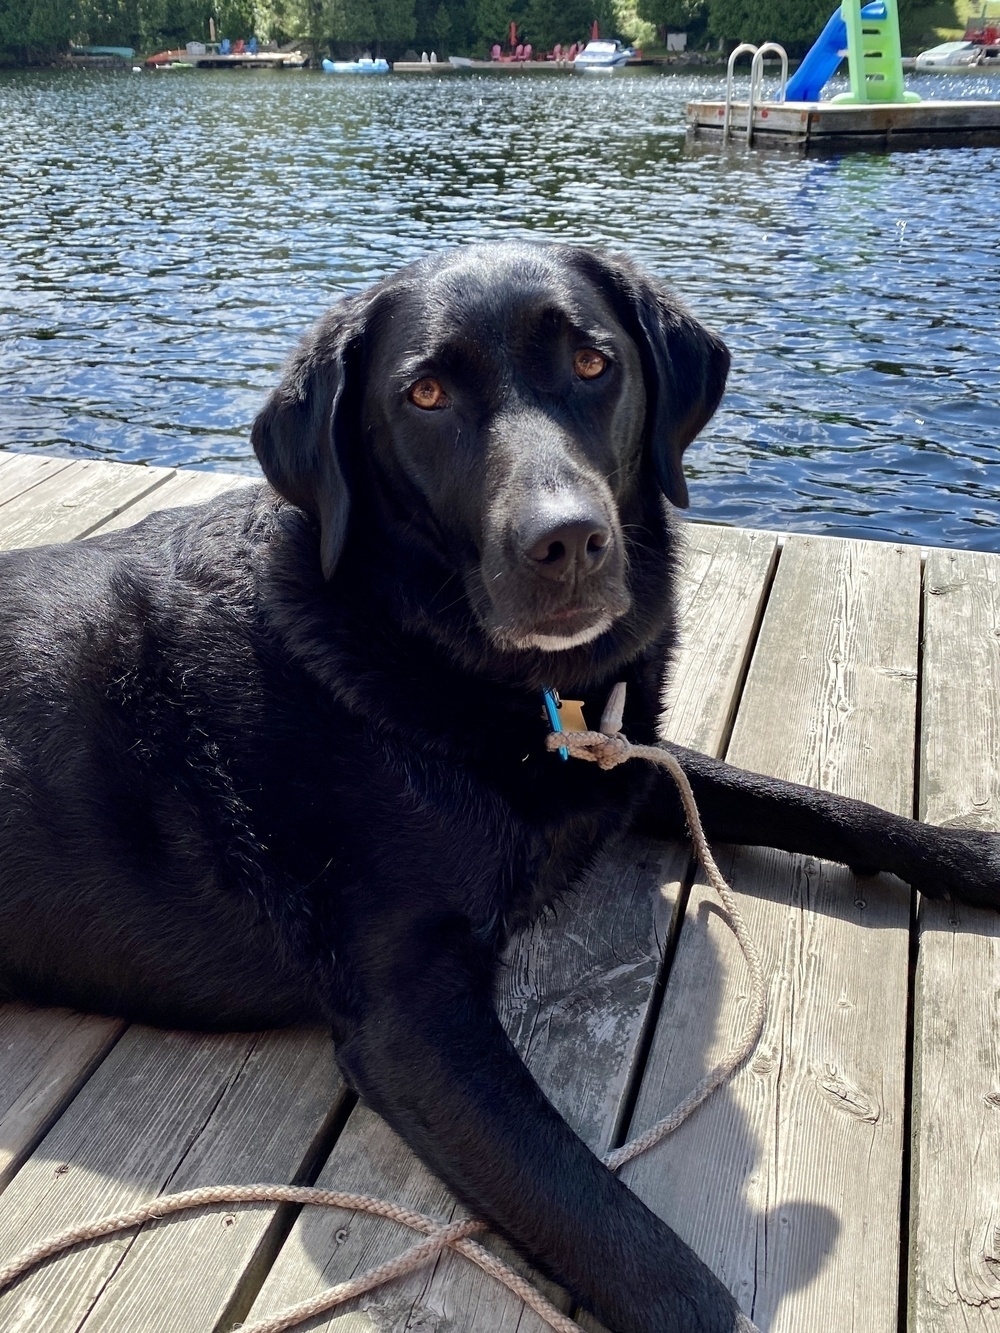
(833, 125)
(846, 1181)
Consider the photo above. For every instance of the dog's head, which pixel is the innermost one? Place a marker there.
(508, 413)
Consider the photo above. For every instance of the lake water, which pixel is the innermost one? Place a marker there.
(165, 238)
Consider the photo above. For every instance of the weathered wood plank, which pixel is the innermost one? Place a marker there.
(574, 997)
(955, 1197)
(45, 1056)
(720, 597)
(164, 1111)
(269, 1124)
(788, 1181)
(71, 502)
(20, 472)
(180, 488)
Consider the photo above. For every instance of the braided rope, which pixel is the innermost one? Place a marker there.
(607, 748)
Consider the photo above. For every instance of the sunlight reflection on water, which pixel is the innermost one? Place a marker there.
(165, 239)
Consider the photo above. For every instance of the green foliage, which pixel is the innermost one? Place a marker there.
(925, 24)
(549, 21)
(675, 15)
(41, 29)
(794, 23)
(630, 25)
(31, 27)
(797, 23)
(492, 20)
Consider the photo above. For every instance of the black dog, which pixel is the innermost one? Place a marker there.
(243, 776)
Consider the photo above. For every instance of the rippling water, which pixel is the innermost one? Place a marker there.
(165, 238)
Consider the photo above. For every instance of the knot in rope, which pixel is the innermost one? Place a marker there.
(605, 751)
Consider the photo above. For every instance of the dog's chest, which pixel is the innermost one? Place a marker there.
(487, 823)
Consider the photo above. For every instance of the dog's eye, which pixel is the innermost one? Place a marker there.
(588, 363)
(428, 394)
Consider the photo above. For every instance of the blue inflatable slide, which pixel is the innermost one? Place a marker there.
(825, 55)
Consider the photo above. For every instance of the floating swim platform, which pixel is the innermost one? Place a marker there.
(960, 123)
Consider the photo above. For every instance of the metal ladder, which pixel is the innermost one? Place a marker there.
(758, 55)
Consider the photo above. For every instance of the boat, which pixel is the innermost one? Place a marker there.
(957, 58)
(366, 65)
(168, 59)
(601, 57)
(97, 52)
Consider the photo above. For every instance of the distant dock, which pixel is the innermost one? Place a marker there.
(197, 56)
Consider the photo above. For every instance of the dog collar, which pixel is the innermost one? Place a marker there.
(551, 701)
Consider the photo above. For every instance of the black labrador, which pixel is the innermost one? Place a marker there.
(281, 757)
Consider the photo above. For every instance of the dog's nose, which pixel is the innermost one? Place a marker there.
(575, 548)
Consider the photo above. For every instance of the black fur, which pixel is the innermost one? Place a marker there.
(281, 758)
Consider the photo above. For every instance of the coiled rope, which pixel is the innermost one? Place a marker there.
(607, 748)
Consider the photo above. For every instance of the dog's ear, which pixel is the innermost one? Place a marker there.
(684, 364)
(302, 434)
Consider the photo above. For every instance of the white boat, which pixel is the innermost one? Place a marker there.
(956, 58)
(366, 65)
(601, 57)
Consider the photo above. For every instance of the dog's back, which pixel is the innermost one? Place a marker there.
(136, 686)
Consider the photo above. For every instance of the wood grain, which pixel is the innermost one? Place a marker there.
(164, 1111)
(180, 488)
(720, 597)
(72, 501)
(46, 1055)
(21, 472)
(955, 1200)
(788, 1181)
(267, 1126)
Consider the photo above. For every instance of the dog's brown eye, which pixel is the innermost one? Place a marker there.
(427, 394)
(589, 363)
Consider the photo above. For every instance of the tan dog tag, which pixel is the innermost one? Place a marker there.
(571, 715)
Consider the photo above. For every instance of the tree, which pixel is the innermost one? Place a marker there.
(441, 27)
(30, 28)
(369, 22)
(492, 20)
(631, 26)
(549, 21)
(794, 23)
(675, 15)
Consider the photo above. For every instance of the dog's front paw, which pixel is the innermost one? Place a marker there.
(964, 865)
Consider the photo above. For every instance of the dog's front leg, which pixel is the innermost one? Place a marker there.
(430, 1055)
(742, 807)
